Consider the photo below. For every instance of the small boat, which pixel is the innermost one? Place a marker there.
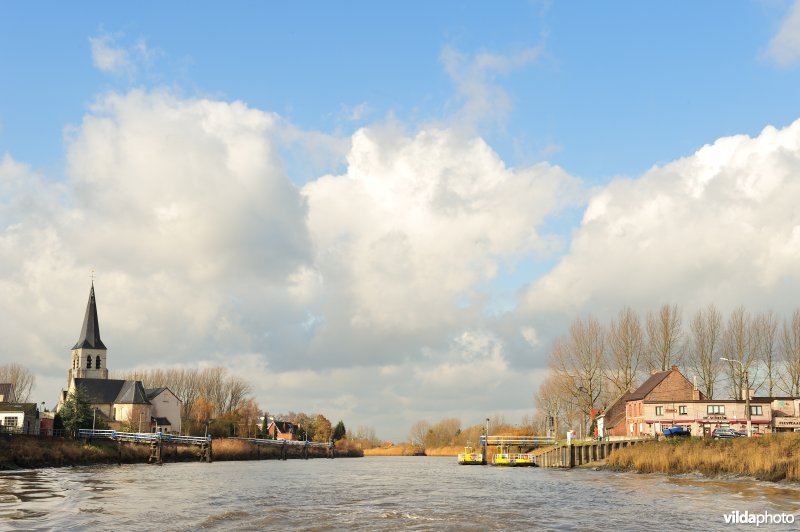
(470, 457)
(504, 458)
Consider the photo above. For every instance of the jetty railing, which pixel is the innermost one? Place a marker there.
(156, 441)
(516, 440)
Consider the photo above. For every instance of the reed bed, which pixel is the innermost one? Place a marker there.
(772, 457)
(395, 450)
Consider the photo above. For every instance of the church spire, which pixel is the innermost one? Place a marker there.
(90, 333)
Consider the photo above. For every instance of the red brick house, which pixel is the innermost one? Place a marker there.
(626, 416)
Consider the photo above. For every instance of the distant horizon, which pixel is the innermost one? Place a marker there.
(381, 216)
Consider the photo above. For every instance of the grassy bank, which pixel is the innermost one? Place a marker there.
(775, 457)
(30, 452)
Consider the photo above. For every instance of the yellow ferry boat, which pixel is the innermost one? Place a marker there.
(504, 458)
(470, 457)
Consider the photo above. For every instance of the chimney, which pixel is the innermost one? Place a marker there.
(674, 368)
(695, 382)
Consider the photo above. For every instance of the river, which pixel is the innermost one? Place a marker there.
(382, 493)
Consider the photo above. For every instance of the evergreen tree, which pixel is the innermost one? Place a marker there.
(339, 432)
(76, 413)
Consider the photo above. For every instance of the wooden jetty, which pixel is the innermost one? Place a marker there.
(157, 440)
(546, 452)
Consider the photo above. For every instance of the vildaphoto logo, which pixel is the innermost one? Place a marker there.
(758, 519)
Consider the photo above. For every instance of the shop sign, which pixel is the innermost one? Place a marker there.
(787, 422)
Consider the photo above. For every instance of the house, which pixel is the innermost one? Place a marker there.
(7, 393)
(668, 385)
(120, 404)
(785, 414)
(281, 430)
(165, 410)
(19, 418)
(667, 399)
(612, 422)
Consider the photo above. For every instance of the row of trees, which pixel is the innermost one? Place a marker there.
(206, 394)
(21, 378)
(595, 363)
(448, 432)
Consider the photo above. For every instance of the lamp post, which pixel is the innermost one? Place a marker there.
(140, 421)
(583, 416)
(746, 392)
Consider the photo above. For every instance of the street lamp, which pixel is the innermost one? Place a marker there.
(141, 413)
(583, 416)
(747, 394)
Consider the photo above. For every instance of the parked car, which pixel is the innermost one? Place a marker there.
(676, 431)
(725, 433)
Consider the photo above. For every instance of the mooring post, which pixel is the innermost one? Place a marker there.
(119, 452)
(305, 450)
(283, 450)
(332, 449)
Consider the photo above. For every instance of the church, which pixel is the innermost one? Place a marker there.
(123, 405)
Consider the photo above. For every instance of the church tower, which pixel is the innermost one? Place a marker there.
(89, 354)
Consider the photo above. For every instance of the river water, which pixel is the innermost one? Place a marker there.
(381, 493)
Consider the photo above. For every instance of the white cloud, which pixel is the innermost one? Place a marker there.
(718, 226)
(405, 237)
(480, 96)
(107, 57)
(784, 48)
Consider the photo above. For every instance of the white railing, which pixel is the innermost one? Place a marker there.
(517, 440)
(288, 443)
(143, 437)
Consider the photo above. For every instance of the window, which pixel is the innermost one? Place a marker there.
(756, 410)
(716, 409)
(659, 410)
(683, 410)
(10, 421)
(97, 362)
(88, 361)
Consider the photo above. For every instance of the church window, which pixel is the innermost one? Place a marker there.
(88, 361)
(97, 362)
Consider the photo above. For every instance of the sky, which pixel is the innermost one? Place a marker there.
(387, 212)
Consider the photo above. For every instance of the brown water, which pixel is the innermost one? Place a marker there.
(382, 493)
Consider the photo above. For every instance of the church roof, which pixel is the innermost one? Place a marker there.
(108, 391)
(90, 332)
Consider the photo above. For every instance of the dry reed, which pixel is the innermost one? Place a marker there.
(773, 457)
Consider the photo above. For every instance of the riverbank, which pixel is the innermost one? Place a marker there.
(774, 457)
(21, 452)
(412, 450)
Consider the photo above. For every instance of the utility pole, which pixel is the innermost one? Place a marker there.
(746, 395)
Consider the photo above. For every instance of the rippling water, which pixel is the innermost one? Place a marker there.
(374, 493)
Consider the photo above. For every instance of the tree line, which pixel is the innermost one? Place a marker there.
(595, 363)
(20, 378)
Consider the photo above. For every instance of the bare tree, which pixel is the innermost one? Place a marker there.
(790, 355)
(550, 401)
(625, 346)
(578, 362)
(765, 327)
(704, 347)
(21, 379)
(738, 347)
(664, 335)
(418, 433)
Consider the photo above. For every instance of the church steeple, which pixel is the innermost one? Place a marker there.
(89, 354)
(90, 332)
